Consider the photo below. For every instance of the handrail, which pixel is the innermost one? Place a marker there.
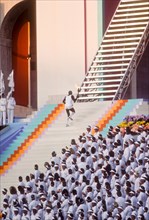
(133, 64)
(127, 72)
(98, 48)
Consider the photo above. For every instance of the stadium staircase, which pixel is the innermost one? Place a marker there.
(130, 106)
(142, 109)
(48, 120)
(119, 54)
(21, 140)
(47, 132)
(9, 135)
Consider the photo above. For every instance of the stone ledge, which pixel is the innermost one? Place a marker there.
(22, 111)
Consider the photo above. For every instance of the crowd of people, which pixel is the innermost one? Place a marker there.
(95, 178)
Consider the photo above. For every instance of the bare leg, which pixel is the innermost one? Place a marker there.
(68, 114)
(72, 113)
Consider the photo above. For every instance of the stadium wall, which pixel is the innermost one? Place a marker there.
(70, 36)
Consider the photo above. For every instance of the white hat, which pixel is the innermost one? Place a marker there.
(48, 208)
(131, 139)
(81, 170)
(88, 126)
(70, 215)
(25, 209)
(88, 135)
(56, 165)
(134, 213)
(94, 215)
(137, 142)
(94, 156)
(90, 211)
(4, 190)
(128, 201)
(63, 163)
(96, 127)
(43, 197)
(112, 171)
(94, 202)
(120, 207)
(34, 208)
(132, 192)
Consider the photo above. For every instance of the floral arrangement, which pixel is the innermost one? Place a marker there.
(134, 121)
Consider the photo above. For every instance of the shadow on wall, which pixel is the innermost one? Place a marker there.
(143, 76)
(109, 8)
(1, 12)
(1, 18)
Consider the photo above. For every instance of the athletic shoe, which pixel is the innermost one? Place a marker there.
(70, 118)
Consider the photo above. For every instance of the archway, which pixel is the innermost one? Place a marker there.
(20, 59)
(18, 51)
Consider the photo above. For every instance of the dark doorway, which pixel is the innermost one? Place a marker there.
(18, 51)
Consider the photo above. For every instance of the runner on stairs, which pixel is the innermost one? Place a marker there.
(69, 101)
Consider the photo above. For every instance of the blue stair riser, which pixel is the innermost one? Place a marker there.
(5, 144)
(27, 131)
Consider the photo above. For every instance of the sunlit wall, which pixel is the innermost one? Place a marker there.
(67, 40)
(68, 35)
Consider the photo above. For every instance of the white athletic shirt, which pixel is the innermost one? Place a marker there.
(3, 103)
(69, 102)
(11, 103)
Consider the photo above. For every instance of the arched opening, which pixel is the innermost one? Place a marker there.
(18, 52)
(20, 59)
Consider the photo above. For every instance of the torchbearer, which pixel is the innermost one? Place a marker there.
(69, 101)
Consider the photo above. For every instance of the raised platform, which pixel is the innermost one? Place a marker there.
(22, 111)
(2, 127)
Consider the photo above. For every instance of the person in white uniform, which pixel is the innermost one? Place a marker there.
(10, 109)
(3, 103)
(69, 101)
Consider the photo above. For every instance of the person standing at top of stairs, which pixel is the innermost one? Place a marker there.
(3, 103)
(10, 108)
(69, 101)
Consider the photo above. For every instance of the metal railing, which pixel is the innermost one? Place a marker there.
(133, 65)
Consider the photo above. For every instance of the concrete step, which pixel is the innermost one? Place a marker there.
(55, 137)
(142, 109)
